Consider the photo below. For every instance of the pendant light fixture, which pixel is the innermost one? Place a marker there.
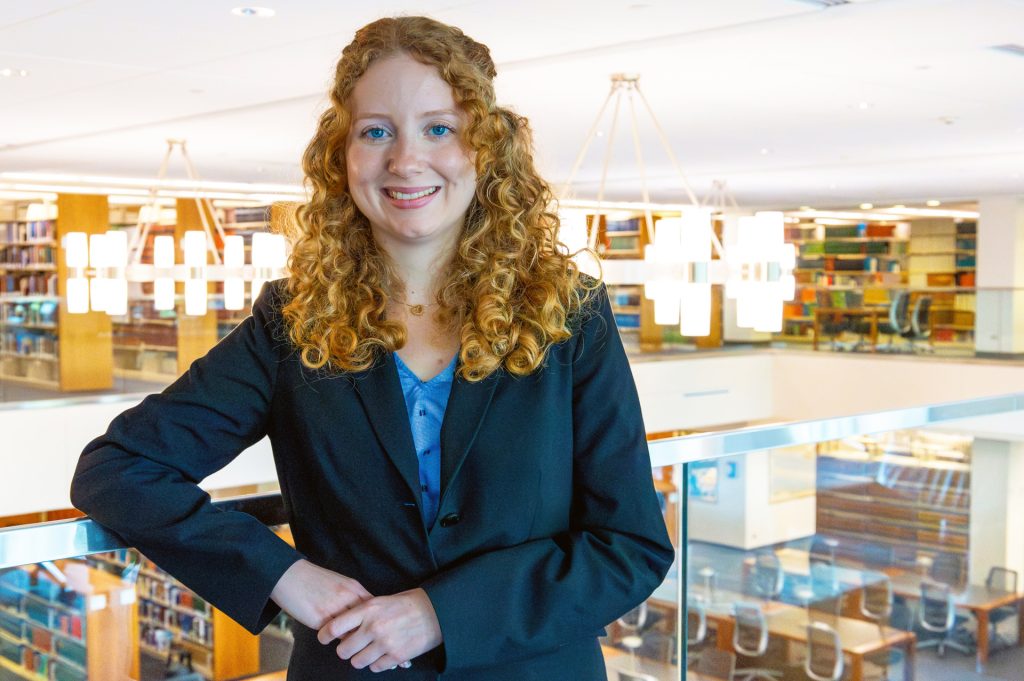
(101, 265)
(678, 268)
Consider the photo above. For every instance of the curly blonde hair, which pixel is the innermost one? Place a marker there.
(509, 291)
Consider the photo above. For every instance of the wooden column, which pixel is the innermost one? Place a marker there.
(86, 340)
(196, 335)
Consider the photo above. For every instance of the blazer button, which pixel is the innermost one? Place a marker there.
(450, 519)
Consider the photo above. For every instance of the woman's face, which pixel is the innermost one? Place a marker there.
(408, 171)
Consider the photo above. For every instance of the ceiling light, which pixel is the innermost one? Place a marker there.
(1010, 48)
(765, 151)
(898, 206)
(257, 12)
(864, 105)
(10, 73)
(806, 208)
(867, 206)
(932, 203)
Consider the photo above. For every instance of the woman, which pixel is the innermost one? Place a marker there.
(456, 430)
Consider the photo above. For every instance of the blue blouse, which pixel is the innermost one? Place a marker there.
(426, 401)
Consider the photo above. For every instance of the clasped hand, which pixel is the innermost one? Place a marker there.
(380, 632)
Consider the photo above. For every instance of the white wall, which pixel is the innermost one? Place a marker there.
(42, 444)
(989, 489)
(702, 391)
(744, 516)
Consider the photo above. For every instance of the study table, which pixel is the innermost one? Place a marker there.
(873, 314)
(857, 638)
(979, 599)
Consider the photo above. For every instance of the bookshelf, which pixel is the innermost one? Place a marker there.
(76, 633)
(942, 258)
(909, 490)
(930, 256)
(623, 235)
(871, 256)
(158, 346)
(40, 344)
(168, 611)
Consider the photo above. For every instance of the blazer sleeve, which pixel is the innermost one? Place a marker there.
(140, 479)
(522, 600)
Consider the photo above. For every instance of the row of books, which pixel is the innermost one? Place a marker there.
(11, 232)
(169, 592)
(26, 284)
(193, 627)
(36, 312)
(28, 344)
(28, 255)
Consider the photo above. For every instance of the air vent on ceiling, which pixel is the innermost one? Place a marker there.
(1010, 48)
(825, 3)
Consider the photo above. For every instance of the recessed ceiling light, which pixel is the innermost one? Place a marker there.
(933, 203)
(864, 105)
(867, 206)
(11, 73)
(258, 12)
(765, 151)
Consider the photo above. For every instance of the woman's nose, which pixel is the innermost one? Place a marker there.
(406, 158)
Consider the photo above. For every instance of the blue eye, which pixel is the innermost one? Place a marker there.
(440, 130)
(375, 133)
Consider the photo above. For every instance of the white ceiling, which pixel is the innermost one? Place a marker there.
(110, 80)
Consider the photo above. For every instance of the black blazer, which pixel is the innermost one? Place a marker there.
(548, 526)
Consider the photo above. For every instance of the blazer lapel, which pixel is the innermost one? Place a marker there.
(380, 391)
(467, 406)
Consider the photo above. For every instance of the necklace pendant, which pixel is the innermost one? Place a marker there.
(416, 310)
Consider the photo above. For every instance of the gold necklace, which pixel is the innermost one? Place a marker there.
(418, 309)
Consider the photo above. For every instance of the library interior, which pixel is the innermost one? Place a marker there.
(809, 219)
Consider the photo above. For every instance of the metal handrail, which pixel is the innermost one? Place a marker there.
(28, 544)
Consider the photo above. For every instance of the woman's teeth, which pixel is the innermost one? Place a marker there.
(402, 196)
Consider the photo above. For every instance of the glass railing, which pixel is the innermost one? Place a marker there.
(859, 547)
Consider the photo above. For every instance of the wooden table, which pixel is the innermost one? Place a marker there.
(872, 312)
(857, 637)
(979, 599)
(616, 659)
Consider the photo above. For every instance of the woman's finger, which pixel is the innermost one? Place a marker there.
(384, 663)
(369, 655)
(353, 643)
(338, 626)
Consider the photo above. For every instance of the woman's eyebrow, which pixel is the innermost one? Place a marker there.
(425, 114)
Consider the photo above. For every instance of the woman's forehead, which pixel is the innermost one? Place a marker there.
(401, 84)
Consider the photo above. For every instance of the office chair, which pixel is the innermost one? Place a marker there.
(920, 325)
(750, 638)
(1003, 579)
(834, 324)
(716, 665)
(768, 577)
(824, 661)
(878, 556)
(822, 550)
(696, 628)
(947, 568)
(876, 604)
(633, 623)
(936, 614)
(898, 320)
